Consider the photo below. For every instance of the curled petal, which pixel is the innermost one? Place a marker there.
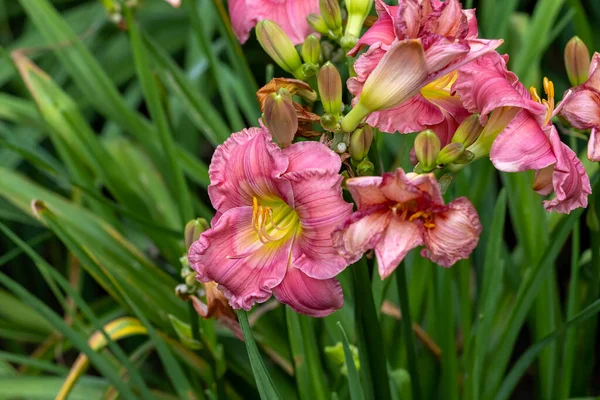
(594, 146)
(366, 191)
(523, 145)
(473, 31)
(321, 208)
(542, 183)
(452, 21)
(411, 116)
(312, 155)
(455, 235)
(570, 180)
(232, 255)
(400, 237)
(486, 84)
(248, 164)
(408, 19)
(593, 81)
(361, 232)
(241, 21)
(306, 295)
(582, 109)
(401, 188)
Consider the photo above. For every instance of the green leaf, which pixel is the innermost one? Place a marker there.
(356, 392)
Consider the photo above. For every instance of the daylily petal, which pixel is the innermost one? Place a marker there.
(486, 84)
(594, 146)
(593, 81)
(314, 297)
(542, 183)
(411, 116)
(455, 235)
(408, 19)
(381, 32)
(523, 145)
(401, 188)
(473, 31)
(582, 109)
(570, 180)
(241, 21)
(232, 255)
(361, 232)
(366, 191)
(400, 237)
(452, 22)
(247, 165)
(441, 53)
(320, 208)
(308, 155)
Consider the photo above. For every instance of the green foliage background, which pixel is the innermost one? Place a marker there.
(113, 140)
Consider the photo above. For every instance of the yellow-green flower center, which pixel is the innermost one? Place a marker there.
(274, 220)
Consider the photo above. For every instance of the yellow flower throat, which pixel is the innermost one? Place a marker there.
(274, 220)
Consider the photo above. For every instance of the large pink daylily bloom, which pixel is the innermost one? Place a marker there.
(289, 14)
(276, 210)
(447, 36)
(581, 107)
(518, 133)
(398, 212)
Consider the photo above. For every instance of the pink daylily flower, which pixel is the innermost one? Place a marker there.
(520, 133)
(276, 210)
(581, 107)
(398, 212)
(289, 14)
(448, 38)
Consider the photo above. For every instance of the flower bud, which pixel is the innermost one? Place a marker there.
(400, 74)
(330, 122)
(427, 149)
(280, 117)
(450, 153)
(193, 230)
(279, 47)
(332, 15)
(360, 142)
(330, 88)
(311, 50)
(465, 158)
(365, 168)
(468, 131)
(358, 10)
(317, 23)
(577, 61)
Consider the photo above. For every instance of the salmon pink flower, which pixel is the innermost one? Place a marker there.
(289, 14)
(398, 212)
(581, 107)
(414, 79)
(276, 210)
(518, 133)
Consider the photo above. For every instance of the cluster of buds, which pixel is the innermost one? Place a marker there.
(452, 157)
(193, 230)
(329, 22)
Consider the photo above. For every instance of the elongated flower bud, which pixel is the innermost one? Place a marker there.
(311, 50)
(577, 61)
(330, 88)
(280, 117)
(427, 149)
(317, 23)
(360, 142)
(468, 131)
(365, 168)
(279, 47)
(193, 230)
(332, 15)
(450, 153)
(358, 10)
(400, 74)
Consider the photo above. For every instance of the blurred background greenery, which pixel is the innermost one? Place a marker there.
(108, 120)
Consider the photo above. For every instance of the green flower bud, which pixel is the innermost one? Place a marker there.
(330, 123)
(193, 230)
(330, 88)
(279, 47)
(309, 70)
(577, 61)
(450, 153)
(427, 149)
(358, 10)
(360, 142)
(332, 15)
(311, 50)
(280, 117)
(468, 131)
(365, 168)
(465, 158)
(317, 23)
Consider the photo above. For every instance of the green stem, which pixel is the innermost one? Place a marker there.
(409, 338)
(373, 366)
